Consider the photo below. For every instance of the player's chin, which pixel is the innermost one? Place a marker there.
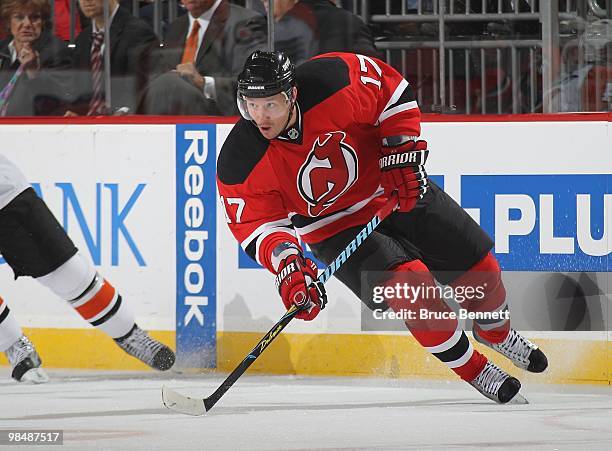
(267, 132)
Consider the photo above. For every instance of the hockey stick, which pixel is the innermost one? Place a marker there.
(198, 406)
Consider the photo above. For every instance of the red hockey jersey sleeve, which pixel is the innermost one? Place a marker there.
(249, 189)
(257, 218)
(380, 96)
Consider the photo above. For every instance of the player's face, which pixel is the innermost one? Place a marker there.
(269, 114)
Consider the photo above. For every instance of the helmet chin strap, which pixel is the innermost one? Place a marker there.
(288, 117)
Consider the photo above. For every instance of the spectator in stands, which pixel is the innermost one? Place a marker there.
(586, 83)
(32, 61)
(305, 28)
(202, 55)
(131, 43)
(146, 12)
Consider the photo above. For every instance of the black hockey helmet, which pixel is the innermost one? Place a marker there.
(266, 74)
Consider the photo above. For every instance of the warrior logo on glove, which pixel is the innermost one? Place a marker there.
(403, 170)
(297, 284)
(329, 171)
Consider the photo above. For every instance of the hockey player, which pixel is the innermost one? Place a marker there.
(34, 244)
(319, 150)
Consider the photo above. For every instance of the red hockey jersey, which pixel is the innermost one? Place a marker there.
(320, 176)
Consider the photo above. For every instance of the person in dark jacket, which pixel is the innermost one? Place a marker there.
(305, 28)
(33, 62)
(131, 42)
(204, 50)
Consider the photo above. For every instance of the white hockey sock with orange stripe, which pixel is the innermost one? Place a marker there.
(9, 329)
(92, 296)
(102, 306)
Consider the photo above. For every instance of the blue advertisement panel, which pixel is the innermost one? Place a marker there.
(196, 258)
(557, 223)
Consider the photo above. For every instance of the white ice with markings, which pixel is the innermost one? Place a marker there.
(118, 411)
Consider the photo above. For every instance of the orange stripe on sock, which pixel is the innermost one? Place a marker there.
(1, 301)
(98, 303)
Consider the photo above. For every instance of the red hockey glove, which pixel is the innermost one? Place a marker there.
(297, 284)
(403, 170)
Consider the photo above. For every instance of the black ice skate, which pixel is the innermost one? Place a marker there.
(497, 385)
(155, 354)
(25, 362)
(519, 350)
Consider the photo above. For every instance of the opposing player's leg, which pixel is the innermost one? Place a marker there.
(34, 244)
(385, 262)
(457, 250)
(19, 350)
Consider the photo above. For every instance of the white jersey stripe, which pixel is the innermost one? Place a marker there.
(341, 214)
(285, 222)
(268, 232)
(396, 95)
(397, 109)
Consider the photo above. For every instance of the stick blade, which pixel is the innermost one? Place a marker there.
(182, 404)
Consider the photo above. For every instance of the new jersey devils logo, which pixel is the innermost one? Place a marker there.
(328, 172)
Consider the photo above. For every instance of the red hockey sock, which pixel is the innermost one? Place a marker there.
(485, 277)
(432, 324)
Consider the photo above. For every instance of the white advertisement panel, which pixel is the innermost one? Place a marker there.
(112, 187)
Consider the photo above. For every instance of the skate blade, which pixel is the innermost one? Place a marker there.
(518, 400)
(35, 376)
(182, 404)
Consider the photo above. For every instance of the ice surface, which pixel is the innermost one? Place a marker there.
(116, 411)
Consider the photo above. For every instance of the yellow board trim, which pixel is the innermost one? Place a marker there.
(85, 349)
(571, 361)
